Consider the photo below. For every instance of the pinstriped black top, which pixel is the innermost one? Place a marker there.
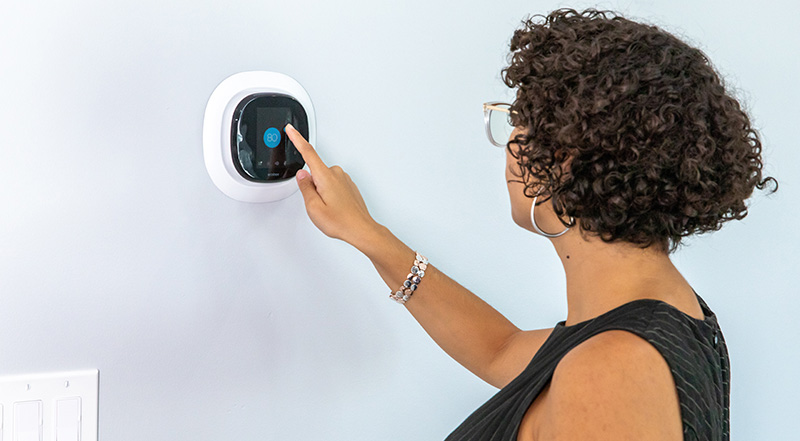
(694, 350)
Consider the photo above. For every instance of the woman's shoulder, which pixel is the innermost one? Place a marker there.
(613, 385)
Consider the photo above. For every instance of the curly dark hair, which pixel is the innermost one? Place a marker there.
(628, 129)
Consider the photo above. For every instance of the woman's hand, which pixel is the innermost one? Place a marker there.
(466, 327)
(332, 200)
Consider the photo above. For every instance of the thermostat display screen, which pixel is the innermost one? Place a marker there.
(261, 150)
(270, 124)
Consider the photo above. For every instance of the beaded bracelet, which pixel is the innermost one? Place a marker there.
(412, 280)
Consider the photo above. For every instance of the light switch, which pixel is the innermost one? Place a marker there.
(28, 421)
(57, 406)
(68, 419)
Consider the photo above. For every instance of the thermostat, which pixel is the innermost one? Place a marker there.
(247, 153)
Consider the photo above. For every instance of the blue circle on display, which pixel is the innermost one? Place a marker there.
(272, 137)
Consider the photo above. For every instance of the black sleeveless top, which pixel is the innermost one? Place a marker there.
(694, 350)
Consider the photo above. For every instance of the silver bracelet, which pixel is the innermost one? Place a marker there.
(412, 280)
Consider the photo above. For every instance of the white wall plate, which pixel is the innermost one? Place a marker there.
(58, 406)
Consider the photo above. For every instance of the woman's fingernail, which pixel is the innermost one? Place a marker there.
(302, 174)
(290, 126)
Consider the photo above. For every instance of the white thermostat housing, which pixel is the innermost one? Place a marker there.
(246, 151)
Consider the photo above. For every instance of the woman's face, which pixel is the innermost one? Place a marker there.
(521, 204)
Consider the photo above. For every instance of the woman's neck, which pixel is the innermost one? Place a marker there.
(602, 276)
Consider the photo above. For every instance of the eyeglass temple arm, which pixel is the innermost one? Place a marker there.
(489, 106)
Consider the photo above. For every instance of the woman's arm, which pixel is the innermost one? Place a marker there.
(466, 327)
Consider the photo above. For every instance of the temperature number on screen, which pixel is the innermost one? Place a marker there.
(272, 137)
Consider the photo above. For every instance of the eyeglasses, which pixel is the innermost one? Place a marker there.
(498, 122)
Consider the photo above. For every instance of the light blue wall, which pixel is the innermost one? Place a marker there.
(213, 319)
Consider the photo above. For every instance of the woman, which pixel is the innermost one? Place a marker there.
(624, 142)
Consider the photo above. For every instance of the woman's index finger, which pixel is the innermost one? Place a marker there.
(306, 150)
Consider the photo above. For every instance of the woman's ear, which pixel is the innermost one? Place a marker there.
(566, 158)
(566, 167)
